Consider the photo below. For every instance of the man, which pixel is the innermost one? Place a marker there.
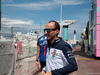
(60, 59)
(19, 48)
(41, 52)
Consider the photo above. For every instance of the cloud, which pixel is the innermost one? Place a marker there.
(35, 6)
(19, 25)
(8, 21)
(69, 2)
(45, 4)
(2, 0)
(7, 1)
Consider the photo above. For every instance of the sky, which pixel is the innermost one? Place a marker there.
(32, 15)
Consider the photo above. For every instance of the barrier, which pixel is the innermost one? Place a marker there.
(7, 58)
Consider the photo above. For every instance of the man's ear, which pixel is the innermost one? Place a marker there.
(57, 31)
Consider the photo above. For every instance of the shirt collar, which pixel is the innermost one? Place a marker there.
(57, 40)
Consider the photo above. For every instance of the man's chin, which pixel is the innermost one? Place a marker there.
(48, 38)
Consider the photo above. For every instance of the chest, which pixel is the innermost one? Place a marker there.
(43, 42)
(54, 53)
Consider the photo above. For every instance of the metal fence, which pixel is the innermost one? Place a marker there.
(7, 58)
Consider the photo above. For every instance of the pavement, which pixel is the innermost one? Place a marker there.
(87, 64)
(27, 66)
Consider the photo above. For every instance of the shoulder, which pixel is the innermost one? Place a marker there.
(42, 37)
(64, 45)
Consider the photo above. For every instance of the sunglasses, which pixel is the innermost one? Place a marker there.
(48, 30)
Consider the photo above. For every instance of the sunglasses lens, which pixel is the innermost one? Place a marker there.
(44, 30)
(48, 30)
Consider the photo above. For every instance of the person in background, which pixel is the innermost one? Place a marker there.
(60, 59)
(19, 48)
(41, 51)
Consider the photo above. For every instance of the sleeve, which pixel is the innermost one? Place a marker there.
(44, 69)
(72, 66)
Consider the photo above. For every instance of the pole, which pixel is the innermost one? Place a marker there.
(0, 19)
(11, 31)
(61, 21)
(61, 13)
(74, 36)
(40, 29)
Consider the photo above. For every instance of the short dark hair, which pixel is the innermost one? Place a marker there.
(57, 25)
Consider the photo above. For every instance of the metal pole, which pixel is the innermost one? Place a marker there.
(40, 29)
(61, 13)
(0, 19)
(11, 31)
(61, 21)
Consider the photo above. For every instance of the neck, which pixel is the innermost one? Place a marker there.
(52, 40)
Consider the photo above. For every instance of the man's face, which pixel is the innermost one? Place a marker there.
(51, 30)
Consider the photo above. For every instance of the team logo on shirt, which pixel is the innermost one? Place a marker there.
(41, 39)
(45, 38)
(53, 53)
